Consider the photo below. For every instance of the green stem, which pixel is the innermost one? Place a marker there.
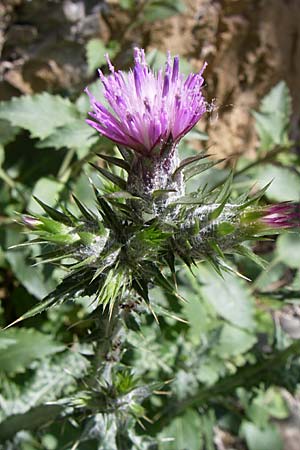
(105, 356)
(62, 174)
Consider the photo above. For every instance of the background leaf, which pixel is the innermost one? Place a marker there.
(26, 345)
(40, 114)
(272, 120)
(229, 296)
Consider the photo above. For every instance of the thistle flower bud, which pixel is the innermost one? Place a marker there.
(282, 215)
(30, 222)
(205, 233)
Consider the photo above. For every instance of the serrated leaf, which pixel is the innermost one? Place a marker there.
(40, 114)
(7, 132)
(50, 380)
(39, 308)
(233, 341)
(184, 433)
(229, 296)
(261, 439)
(272, 120)
(76, 134)
(27, 346)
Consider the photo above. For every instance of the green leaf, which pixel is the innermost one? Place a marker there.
(285, 183)
(40, 114)
(7, 132)
(261, 439)
(127, 4)
(288, 249)
(248, 253)
(156, 59)
(118, 181)
(272, 121)
(115, 161)
(52, 378)
(77, 135)
(188, 161)
(233, 341)
(2, 155)
(34, 279)
(57, 216)
(184, 433)
(96, 51)
(229, 296)
(269, 403)
(46, 190)
(26, 346)
(30, 420)
(162, 9)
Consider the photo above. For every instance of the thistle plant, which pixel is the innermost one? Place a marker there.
(146, 225)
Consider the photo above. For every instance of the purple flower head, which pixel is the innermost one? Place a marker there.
(282, 215)
(146, 110)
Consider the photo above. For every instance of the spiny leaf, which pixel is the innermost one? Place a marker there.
(42, 306)
(118, 181)
(54, 213)
(109, 216)
(115, 161)
(141, 287)
(245, 251)
(255, 197)
(216, 248)
(51, 379)
(161, 280)
(191, 160)
(126, 153)
(190, 172)
(224, 193)
(84, 211)
(70, 288)
(114, 285)
(218, 210)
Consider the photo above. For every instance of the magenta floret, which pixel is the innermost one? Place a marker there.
(145, 110)
(283, 215)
